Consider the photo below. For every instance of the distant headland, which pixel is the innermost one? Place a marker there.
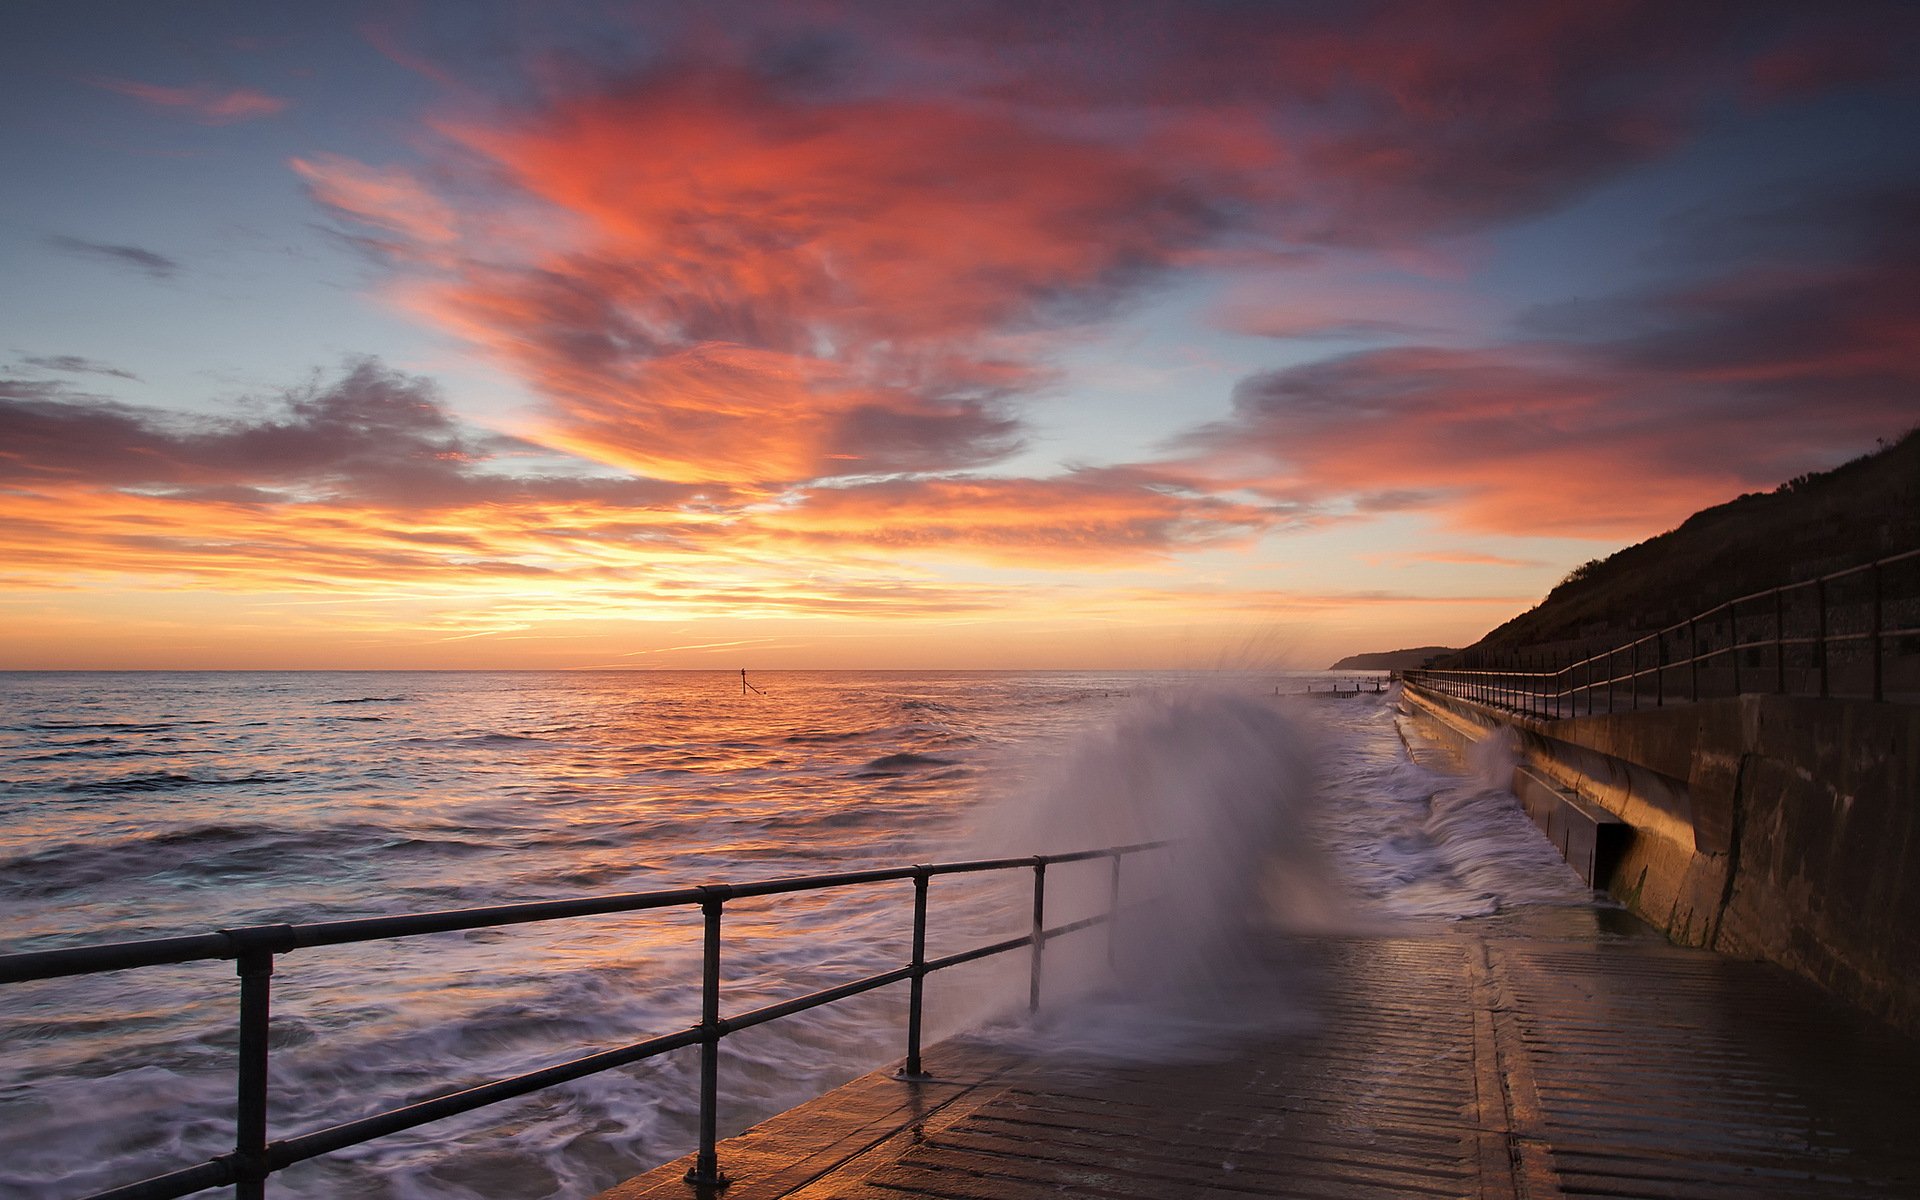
(1392, 660)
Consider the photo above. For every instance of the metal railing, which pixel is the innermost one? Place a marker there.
(1833, 636)
(254, 949)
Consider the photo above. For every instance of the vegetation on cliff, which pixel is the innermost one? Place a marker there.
(1809, 526)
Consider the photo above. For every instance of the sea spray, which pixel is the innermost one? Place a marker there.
(1227, 781)
(1493, 758)
(1419, 838)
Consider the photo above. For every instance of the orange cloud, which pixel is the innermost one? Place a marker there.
(757, 285)
(367, 486)
(1087, 518)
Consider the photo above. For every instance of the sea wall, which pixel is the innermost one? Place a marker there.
(1771, 827)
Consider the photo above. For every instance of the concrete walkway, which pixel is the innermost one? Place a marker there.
(1557, 1053)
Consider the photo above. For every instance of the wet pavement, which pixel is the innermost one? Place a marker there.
(1555, 1053)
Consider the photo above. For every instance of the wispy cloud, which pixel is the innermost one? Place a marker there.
(389, 199)
(74, 364)
(206, 103)
(148, 262)
(1471, 558)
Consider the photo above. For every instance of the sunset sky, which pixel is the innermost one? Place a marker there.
(916, 335)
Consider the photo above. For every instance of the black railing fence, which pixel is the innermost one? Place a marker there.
(255, 949)
(1853, 634)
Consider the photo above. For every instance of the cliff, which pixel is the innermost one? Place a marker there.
(1809, 526)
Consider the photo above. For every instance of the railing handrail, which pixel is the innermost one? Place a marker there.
(280, 939)
(1763, 594)
(255, 947)
(1510, 683)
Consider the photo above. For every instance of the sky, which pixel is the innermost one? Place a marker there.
(997, 335)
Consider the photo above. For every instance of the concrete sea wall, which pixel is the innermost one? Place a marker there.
(1770, 827)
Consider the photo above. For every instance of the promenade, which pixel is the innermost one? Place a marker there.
(1552, 1052)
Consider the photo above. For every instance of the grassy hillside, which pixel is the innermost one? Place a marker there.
(1815, 524)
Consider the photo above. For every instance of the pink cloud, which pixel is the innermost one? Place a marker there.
(759, 285)
(208, 104)
(386, 198)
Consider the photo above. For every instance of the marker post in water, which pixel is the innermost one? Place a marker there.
(746, 687)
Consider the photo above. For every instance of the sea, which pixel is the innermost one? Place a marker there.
(149, 804)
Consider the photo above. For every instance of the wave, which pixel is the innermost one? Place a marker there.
(484, 740)
(902, 763)
(206, 851)
(828, 738)
(117, 726)
(164, 781)
(89, 752)
(920, 705)
(371, 700)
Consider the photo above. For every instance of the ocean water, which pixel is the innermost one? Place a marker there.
(151, 804)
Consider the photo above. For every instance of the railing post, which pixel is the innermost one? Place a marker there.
(1820, 600)
(916, 985)
(1660, 669)
(1779, 641)
(1733, 637)
(1113, 913)
(1693, 662)
(255, 968)
(1879, 692)
(1039, 930)
(705, 1172)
